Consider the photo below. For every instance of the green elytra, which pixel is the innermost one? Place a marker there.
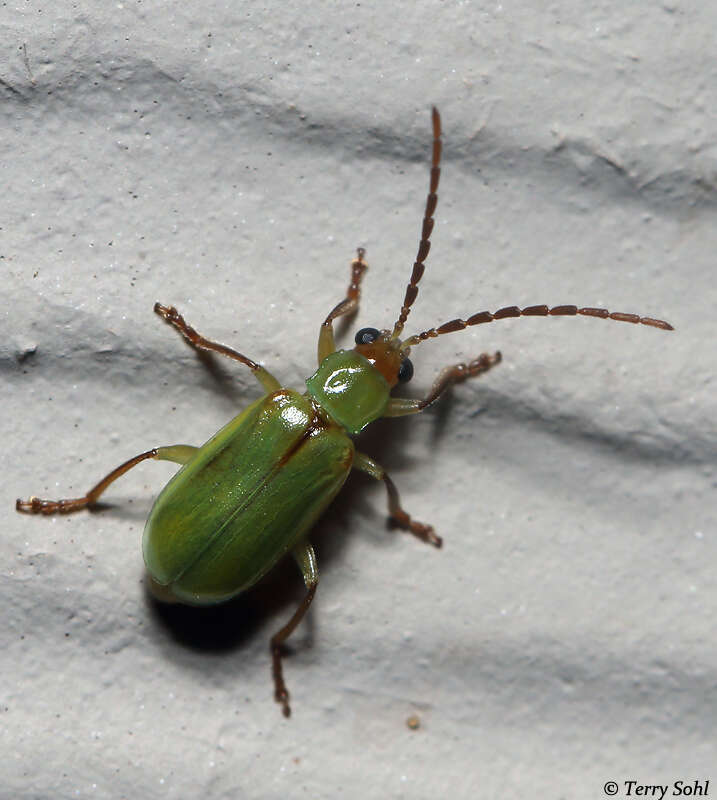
(251, 494)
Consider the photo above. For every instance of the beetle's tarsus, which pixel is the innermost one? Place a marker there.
(47, 507)
(425, 533)
(281, 693)
(283, 698)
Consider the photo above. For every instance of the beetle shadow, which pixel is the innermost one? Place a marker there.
(229, 626)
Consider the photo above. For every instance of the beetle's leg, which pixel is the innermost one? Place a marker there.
(179, 453)
(173, 317)
(306, 559)
(400, 518)
(399, 406)
(349, 305)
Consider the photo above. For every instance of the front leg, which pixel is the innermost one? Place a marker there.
(400, 406)
(349, 305)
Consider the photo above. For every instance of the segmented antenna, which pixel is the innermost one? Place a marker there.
(534, 311)
(425, 243)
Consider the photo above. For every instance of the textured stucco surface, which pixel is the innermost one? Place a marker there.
(228, 158)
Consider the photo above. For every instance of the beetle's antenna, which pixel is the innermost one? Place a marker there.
(534, 311)
(425, 243)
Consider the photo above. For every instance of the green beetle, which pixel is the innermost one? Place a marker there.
(251, 494)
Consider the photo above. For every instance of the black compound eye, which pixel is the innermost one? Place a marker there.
(367, 335)
(405, 372)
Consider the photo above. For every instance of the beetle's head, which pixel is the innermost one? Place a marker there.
(386, 354)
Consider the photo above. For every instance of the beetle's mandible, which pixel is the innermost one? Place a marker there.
(251, 494)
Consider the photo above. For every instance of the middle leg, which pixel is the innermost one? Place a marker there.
(173, 317)
(401, 518)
